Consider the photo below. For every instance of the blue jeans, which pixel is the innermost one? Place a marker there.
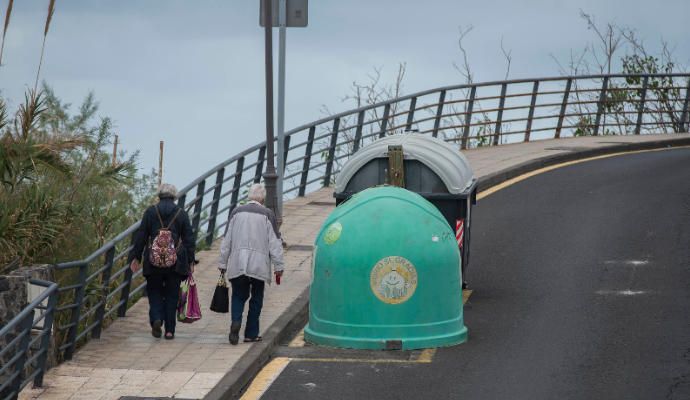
(242, 286)
(163, 292)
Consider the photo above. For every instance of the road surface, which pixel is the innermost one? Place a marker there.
(581, 281)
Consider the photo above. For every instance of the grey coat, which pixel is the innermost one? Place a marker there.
(251, 244)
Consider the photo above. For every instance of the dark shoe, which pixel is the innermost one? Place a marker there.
(234, 336)
(169, 336)
(156, 328)
(251, 340)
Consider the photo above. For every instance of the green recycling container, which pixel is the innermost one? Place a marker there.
(386, 275)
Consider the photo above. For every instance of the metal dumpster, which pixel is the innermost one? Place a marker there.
(434, 169)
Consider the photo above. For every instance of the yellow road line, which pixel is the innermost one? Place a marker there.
(298, 341)
(427, 356)
(265, 378)
(530, 174)
(362, 360)
(466, 295)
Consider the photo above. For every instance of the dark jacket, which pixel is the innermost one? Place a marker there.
(181, 231)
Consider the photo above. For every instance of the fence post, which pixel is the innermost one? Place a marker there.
(468, 118)
(197, 208)
(564, 105)
(45, 339)
(23, 349)
(100, 313)
(499, 117)
(384, 121)
(640, 110)
(410, 114)
(124, 297)
(530, 115)
(686, 110)
(260, 164)
(307, 162)
(439, 113)
(214, 207)
(331, 153)
(76, 312)
(600, 107)
(358, 132)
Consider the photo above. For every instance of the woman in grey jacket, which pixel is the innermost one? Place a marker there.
(250, 245)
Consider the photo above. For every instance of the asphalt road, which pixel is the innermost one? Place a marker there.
(581, 281)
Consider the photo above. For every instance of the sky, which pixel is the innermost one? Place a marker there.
(192, 73)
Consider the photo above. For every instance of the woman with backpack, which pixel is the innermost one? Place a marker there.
(164, 245)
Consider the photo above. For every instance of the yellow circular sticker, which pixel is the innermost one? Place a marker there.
(333, 233)
(393, 280)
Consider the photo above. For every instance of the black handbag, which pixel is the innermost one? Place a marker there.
(221, 298)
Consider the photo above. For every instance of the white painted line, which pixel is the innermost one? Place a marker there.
(634, 263)
(626, 292)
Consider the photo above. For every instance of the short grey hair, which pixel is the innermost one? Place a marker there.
(257, 192)
(167, 190)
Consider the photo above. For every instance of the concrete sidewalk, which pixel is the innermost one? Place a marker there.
(127, 361)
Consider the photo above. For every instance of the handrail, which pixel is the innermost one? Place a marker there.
(25, 357)
(470, 115)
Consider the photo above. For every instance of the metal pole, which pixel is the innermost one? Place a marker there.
(282, 21)
(270, 175)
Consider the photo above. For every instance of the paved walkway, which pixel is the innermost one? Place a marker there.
(127, 361)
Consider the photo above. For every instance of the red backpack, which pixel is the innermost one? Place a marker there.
(162, 251)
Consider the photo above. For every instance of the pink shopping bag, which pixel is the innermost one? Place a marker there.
(188, 308)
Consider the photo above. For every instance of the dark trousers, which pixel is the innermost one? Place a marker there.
(242, 287)
(163, 291)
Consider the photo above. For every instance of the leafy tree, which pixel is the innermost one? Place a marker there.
(61, 194)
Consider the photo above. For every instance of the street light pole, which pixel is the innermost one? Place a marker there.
(282, 22)
(270, 175)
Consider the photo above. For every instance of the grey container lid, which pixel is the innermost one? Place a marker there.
(445, 160)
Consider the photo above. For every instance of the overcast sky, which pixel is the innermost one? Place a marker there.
(191, 73)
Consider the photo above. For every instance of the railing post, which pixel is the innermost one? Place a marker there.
(307, 162)
(384, 121)
(286, 144)
(468, 118)
(686, 110)
(124, 297)
(197, 208)
(600, 106)
(331, 153)
(499, 117)
(76, 311)
(410, 114)
(439, 113)
(214, 207)
(640, 110)
(564, 105)
(530, 115)
(45, 339)
(358, 132)
(23, 349)
(234, 198)
(100, 313)
(260, 164)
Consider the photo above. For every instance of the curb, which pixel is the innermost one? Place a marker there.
(296, 315)
(242, 373)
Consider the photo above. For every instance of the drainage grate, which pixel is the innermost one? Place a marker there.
(321, 203)
(567, 148)
(301, 247)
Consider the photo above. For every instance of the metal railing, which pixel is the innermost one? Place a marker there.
(26, 343)
(482, 114)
